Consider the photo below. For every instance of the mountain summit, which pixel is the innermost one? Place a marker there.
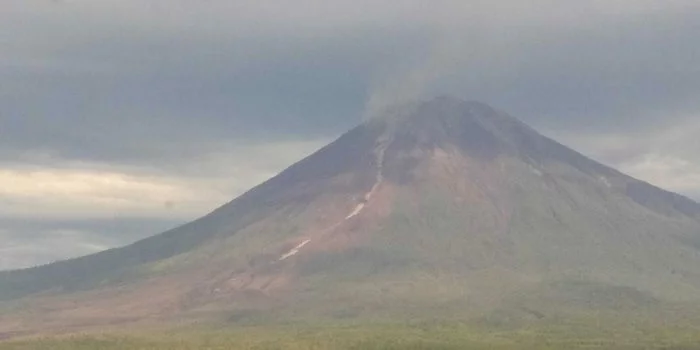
(443, 208)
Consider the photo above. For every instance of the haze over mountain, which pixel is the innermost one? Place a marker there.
(441, 208)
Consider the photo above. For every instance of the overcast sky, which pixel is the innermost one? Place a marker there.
(122, 118)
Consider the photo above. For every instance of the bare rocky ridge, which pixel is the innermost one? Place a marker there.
(444, 208)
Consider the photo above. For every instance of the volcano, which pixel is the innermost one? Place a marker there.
(441, 209)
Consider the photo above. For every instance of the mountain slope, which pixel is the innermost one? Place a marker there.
(442, 208)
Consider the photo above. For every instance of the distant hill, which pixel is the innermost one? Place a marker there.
(438, 209)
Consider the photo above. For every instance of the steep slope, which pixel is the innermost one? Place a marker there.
(441, 208)
(297, 186)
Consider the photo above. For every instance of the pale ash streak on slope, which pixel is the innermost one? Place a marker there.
(294, 250)
(380, 151)
(380, 178)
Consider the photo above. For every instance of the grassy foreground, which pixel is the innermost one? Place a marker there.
(371, 337)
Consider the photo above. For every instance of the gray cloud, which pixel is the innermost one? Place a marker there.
(172, 96)
(26, 244)
(153, 72)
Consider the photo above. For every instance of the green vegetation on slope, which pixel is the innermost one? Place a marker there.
(416, 336)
